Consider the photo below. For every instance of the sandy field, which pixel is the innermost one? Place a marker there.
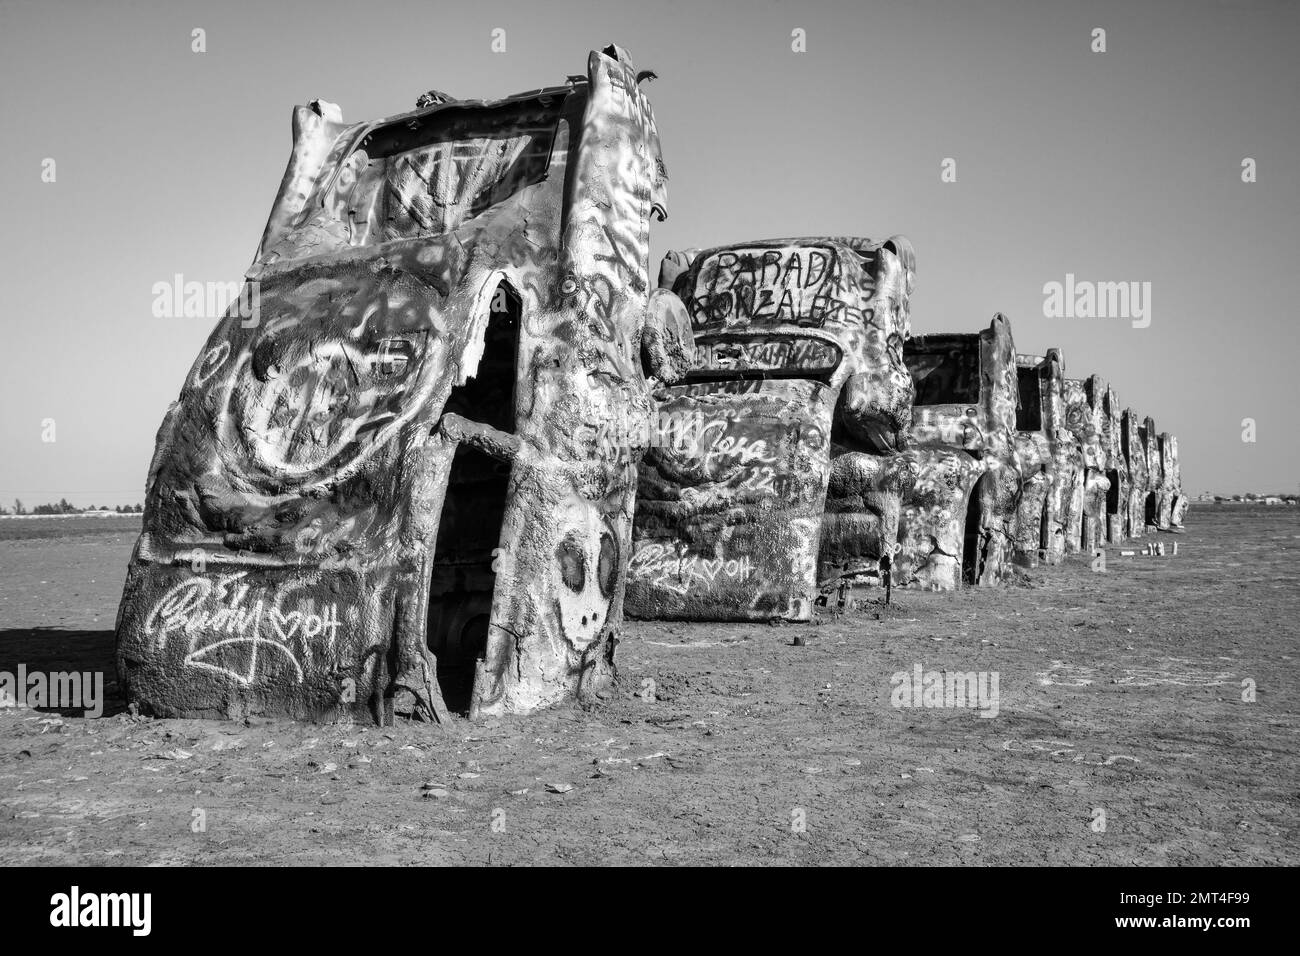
(1125, 733)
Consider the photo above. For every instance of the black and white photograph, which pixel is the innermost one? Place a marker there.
(648, 433)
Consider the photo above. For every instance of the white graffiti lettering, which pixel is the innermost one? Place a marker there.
(228, 630)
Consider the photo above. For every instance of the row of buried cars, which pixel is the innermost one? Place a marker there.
(396, 489)
(816, 442)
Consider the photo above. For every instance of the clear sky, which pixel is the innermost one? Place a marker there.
(1122, 166)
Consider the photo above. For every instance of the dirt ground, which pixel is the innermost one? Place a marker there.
(1121, 702)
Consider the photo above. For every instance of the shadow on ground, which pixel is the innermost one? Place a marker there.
(51, 650)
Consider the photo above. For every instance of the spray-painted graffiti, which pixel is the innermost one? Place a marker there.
(788, 330)
(446, 297)
(232, 626)
(681, 431)
(725, 453)
(751, 458)
(461, 387)
(953, 496)
(1049, 457)
(798, 285)
(812, 355)
(663, 566)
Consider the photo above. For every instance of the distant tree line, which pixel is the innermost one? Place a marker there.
(65, 508)
(1254, 497)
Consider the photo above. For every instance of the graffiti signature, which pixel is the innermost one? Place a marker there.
(228, 632)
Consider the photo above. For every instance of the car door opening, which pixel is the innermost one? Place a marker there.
(462, 580)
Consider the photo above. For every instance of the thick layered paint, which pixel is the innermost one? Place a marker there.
(958, 518)
(786, 332)
(447, 297)
(728, 519)
(1136, 459)
(1179, 504)
(1086, 515)
(1048, 455)
(1155, 473)
(1170, 502)
(1108, 412)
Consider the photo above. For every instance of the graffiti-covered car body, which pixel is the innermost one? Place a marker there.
(1048, 455)
(1180, 503)
(1085, 529)
(1170, 502)
(1150, 448)
(871, 465)
(377, 497)
(786, 331)
(958, 517)
(1135, 457)
(1109, 415)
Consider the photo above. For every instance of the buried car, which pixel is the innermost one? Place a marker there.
(959, 511)
(1180, 503)
(798, 343)
(1086, 514)
(1135, 456)
(1106, 402)
(1150, 440)
(1171, 503)
(378, 497)
(1049, 456)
